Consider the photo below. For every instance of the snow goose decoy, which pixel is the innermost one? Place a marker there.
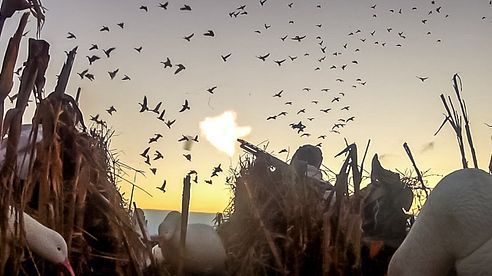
(451, 235)
(43, 241)
(204, 251)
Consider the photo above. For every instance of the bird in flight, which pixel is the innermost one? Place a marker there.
(110, 110)
(185, 106)
(185, 8)
(143, 105)
(104, 29)
(298, 38)
(126, 78)
(112, 74)
(209, 33)
(161, 116)
(211, 89)
(188, 37)
(163, 5)
(156, 108)
(144, 8)
(81, 74)
(92, 59)
(422, 79)
(279, 62)
(279, 94)
(264, 57)
(155, 138)
(108, 51)
(181, 67)
(71, 36)
(93, 47)
(169, 123)
(138, 49)
(145, 152)
(121, 25)
(167, 63)
(187, 156)
(224, 58)
(163, 187)
(158, 155)
(216, 170)
(89, 76)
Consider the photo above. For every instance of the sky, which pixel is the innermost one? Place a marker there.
(390, 105)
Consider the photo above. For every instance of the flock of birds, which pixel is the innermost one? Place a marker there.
(303, 120)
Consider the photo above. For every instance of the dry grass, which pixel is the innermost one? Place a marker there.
(279, 223)
(70, 186)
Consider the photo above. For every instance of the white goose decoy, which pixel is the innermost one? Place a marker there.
(23, 149)
(452, 235)
(204, 251)
(43, 241)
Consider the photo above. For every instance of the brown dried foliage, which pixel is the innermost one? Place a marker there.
(69, 188)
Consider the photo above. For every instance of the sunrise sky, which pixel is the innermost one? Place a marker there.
(382, 52)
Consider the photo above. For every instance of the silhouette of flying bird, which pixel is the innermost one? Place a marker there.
(155, 138)
(163, 5)
(93, 47)
(92, 59)
(181, 67)
(145, 152)
(188, 37)
(185, 106)
(138, 49)
(163, 187)
(279, 94)
(112, 74)
(264, 57)
(224, 58)
(185, 8)
(216, 170)
(104, 29)
(121, 25)
(279, 62)
(89, 76)
(108, 51)
(143, 105)
(110, 110)
(167, 63)
(81, 74)
(298, 38)
(422, 79)
(158, 155)
(71, 36)
(209, 33)
(169, 123)
(126, 78)
(156, 108)
(187, 156)
(161, 116)
(211, 89)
